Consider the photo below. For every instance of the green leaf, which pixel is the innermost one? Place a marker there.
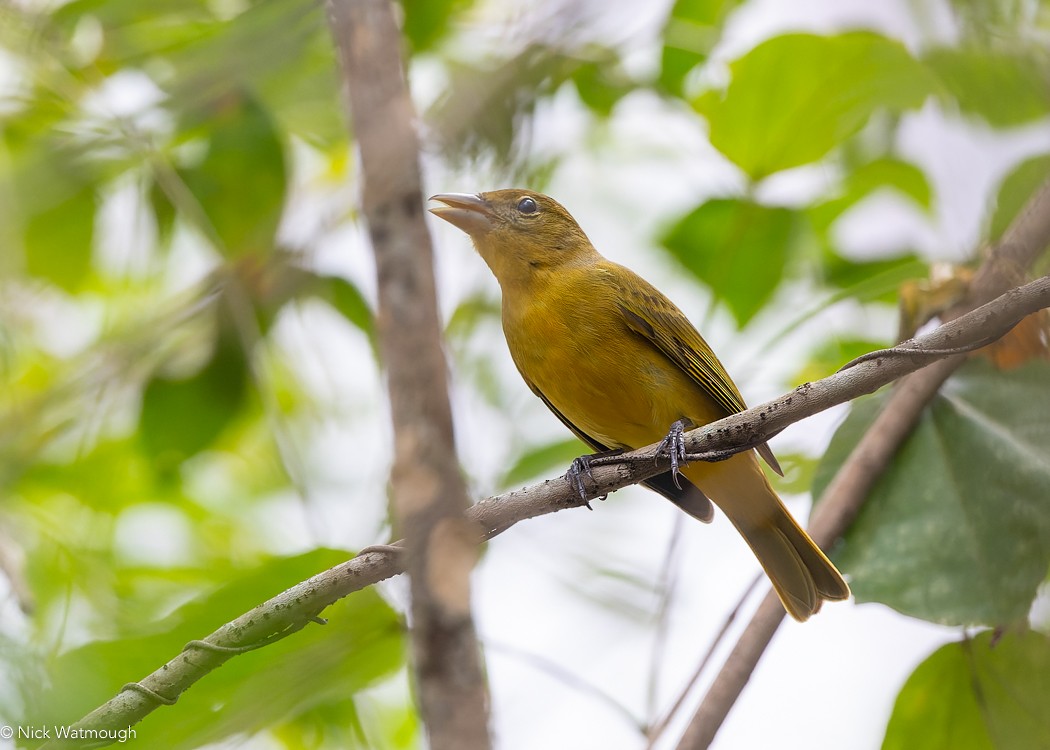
(315, 667)
(1016, 190)
(795, 97)
(691, 31)
(977, 694)
(58, 240)
(893, 174)
(833, 354)
(351, 304)
(181, 417)
(798, 473)
(539, 460)
(240, 183)
(1004, 88)
(871, 280)
(739, 249)
(601, 82)
(957, 530)
(469, 313)
(427, 21)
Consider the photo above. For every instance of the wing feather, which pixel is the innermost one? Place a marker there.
(652, 316)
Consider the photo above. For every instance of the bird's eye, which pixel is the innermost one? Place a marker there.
(527, 206)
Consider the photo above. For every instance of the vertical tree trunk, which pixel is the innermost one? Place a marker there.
(428, 489)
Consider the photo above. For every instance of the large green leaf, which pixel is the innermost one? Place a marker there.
(957, 530)
(739, 249)
(318, 666)
(978, 694)
(1005, 89)
(795, 97)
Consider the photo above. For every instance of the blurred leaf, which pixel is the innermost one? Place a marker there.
(798, 473)
(163, 211)
(602, 82)
(469, 313)
(795, 97)
(1003, 88)
(861, 182)
(280, 50)
(427, 21)
(541, 459)
(692, 30)
(486, 106)
(58, 240)
(111, 477)
(871, 280)
(833, 354)
(348, 301)
(957, 530)
(1016, 190)
(240, 183)
(979, 694)
(739, 249)
(181, 417)
(361, 644)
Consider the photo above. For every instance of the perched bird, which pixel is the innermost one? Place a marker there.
(620, 365)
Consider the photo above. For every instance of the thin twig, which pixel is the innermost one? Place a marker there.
(657, 730)
(666, 586)
(567, 677)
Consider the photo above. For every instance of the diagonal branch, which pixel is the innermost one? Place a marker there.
(295, 607)
(1023, 243)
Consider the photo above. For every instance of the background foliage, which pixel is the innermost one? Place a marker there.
(188, 383)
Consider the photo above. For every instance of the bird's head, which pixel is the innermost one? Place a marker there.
(519, 233)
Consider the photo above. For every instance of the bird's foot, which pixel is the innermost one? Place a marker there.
(673, 446)
(581, 467)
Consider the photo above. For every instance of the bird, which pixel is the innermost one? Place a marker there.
(622, 367)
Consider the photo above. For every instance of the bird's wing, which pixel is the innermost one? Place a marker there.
(651, 315)
(688, 496)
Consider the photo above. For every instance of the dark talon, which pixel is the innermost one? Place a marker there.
(574, 475)
(581, 466)
(673, 446)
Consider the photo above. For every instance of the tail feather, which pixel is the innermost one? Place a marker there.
(801, 574)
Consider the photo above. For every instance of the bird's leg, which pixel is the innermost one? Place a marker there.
(582, 466)
(673, 446)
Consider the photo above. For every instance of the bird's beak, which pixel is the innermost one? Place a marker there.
(471, 213)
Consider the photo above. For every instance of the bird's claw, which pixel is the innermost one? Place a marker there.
(581, 467)
(673, 446)
(577, 469)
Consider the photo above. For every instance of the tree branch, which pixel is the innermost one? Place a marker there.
(1025, 240)
(428, 489)
(293, 609)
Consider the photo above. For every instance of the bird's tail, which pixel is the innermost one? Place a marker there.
(801, 574)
